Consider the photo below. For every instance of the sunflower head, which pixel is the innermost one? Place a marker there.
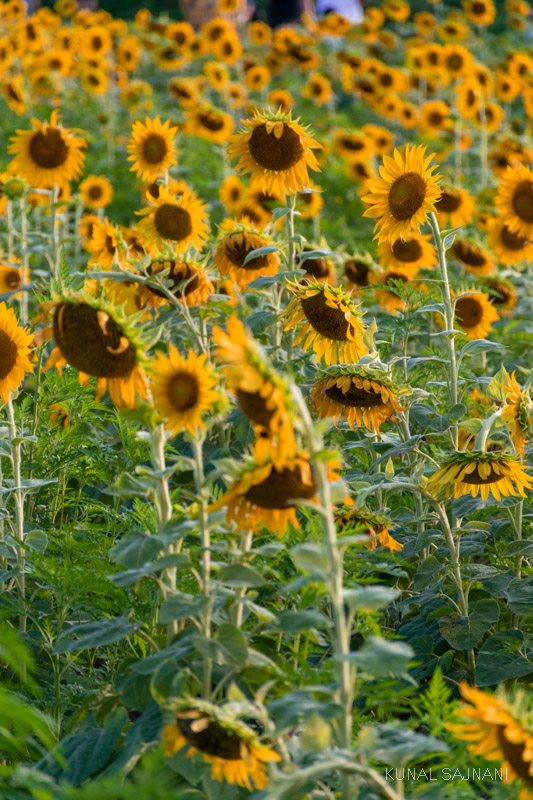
(514, 200)
(476, 472)
(177, 219)
(277, 150)
(329, 321)
(474, 314)
(15, 350)
(151, 148)
(238, 240)
(369, 523)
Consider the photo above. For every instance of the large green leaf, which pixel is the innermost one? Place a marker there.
(463, 633)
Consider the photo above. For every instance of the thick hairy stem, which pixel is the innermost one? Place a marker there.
(289, 222)
(241, 591)
(19, 511)
(163, 505)
(203, 523)
(25, 260)
(55, 231)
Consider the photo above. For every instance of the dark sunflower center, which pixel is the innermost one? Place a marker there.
(475, 478)
(8, 354)
(179, 272)
(254, 406)
(211, 121)
(110, 245)
(355, 397)
(455, 62)
(407, 251)
(273, 153)
(48, 150)
(478, 8)
(514, 754)
(172, 222)
(523, 200)
(92, 342)
(449, 201)
(469, 312)
(153, 189)
(317, 267)
(95, 192)
(13, 93)
(502, 294)
(97, 43)
(433, 58)
(436, 118)
(154, 149)
(357, 272)
(406, 195)
(385, 79)
(352, 144)
(469, 254)
(236, 252)
(327, 321)
(511, 240)
(12, 279)
(183, 391)
(214, 740)
(280, 490)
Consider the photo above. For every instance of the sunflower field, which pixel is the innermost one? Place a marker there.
(266, 342)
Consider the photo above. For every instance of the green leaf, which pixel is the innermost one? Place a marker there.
(380, 657)
(240, 575)
(36, 540)
(370, 598)
(233, 642)
(495, 389)
(503, 656)
(181, 606)
(310, 557)
(94, 634)
(261, 251)
(520, 547)
(297, 621)
(519, 596)
(399, 746)
(463, 633)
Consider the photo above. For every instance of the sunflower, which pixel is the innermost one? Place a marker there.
(232, 192)
(106, 244)
(228, 744)
(309, 203)
(490, 117)
(277, 151)
(95, 41)
(359, 395)
(408, 255)
(350, 144)
(263, 394)
(382, 139)
(15, 347)
(517, 412)
(238, 240)
(455, 207)
(151, 148)
(397, 10)
(388, 297)
(183, 389)
(507, 88)
(60, 416)
(281, 99)
(182, 34)
(257, 77)
(357, 270)
(185, 91)
(332, 323)
(456, 60)
(476, 473)
(95, 338)
(210, 123)
(228, 49)
(13, 91)
(435, 117)
(317, 269)
(474, 258)
(468, 98)
(509, 248)
(360, 171)
(318, 89)
(369, 523)
(474, 314)
(217, 75)
(181, 220)
(96, 191)
(514, 200)
(480, 12)
(502, 295)
(128, 54)
(189, 282)
(403, 195)
(498, 727)
(12, 277)
(47, 155)
(262, 496)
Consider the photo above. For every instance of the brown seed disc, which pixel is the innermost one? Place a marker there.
(214, 740)
(183, 391)
(406, 195)
(523, 200)
(254, 406)
(316, 267)
(273, 153)
(213, 122)
(12, 279)
(468, 311)
(478, 8)
(236, 253)
(355, 397)
(327, 321)
(86, 346)
(48, 150)
(357, 272)
(449, 201)
(468, 253)
(352, 144)
(172, 222)
(407, 251)
(154, 149)
(8, 354)
(511, 240)
(280, 489)
(179, 271)
(435, 119)
(95, 192)
(475, 479)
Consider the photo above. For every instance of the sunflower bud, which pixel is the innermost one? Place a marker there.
(14, 188)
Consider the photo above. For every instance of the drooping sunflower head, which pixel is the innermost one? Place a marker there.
(180, 220)
(403, 195)
(473, 257)
(498, 727)
(357, 270)
(361, 395)
(151, 148)
(502, 294)
(227, 743)
(515, 200)
(454, 207)
(183, 389)
(517, 412)
(476, 472)
(310, 203)
(276, 150)
(15, 349)
(48, 154)
(98, 340)
(366, 522)
(210, 123)
(474, 314)
(186, 280)
(509, 248)
(329, 321)
(408, 255)
(238, 240)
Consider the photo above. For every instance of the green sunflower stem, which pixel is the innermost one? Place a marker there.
(290, 204)
(448, 315)
(481, 439)
(10, 231)
(25, 259)
(203, 524)
(54, 197)
(18, 494)
(163, 507)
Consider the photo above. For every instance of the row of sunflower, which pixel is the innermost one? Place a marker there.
(234, 308)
